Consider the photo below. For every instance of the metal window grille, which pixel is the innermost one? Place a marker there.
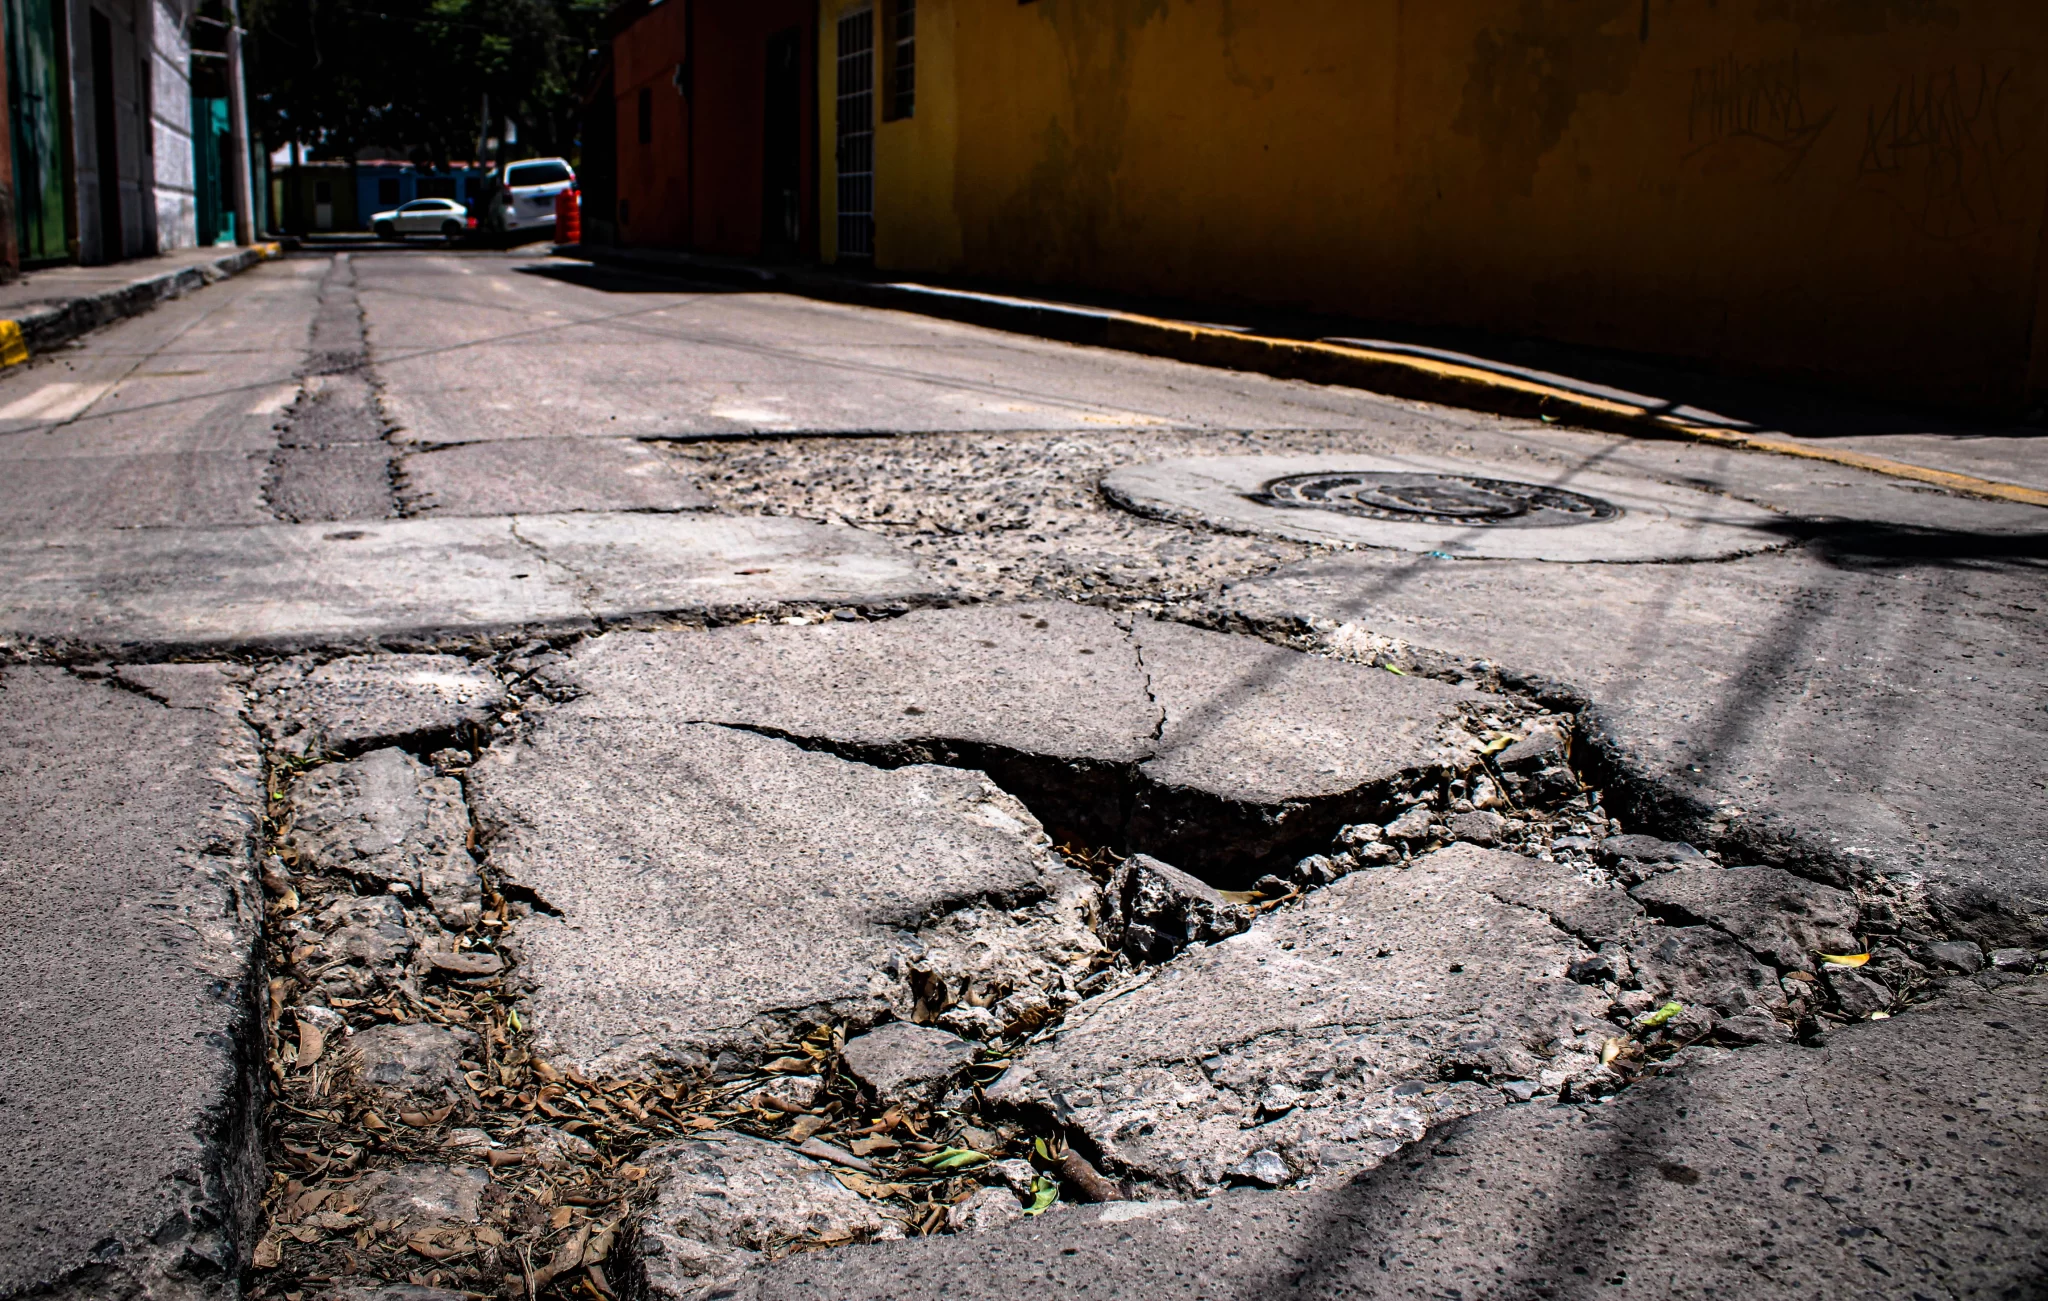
(903, 60)
(856, 132)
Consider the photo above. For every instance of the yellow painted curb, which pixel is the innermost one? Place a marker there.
(13, 348)
(1470, 386)
(268, 250)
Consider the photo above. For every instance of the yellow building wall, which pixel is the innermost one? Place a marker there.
(1850, 189)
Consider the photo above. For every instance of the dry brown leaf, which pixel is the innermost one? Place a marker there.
(311, 1043)
(268, 1252)
(870, 1146)
(426, 1247)
(805, 1127)
(330, 1220)
(560, 1219)
(802, 1065)
(867, 1187)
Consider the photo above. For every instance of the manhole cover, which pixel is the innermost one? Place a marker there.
(1448, 507)
(1437, 499)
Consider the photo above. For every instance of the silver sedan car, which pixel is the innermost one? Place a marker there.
(444, 217)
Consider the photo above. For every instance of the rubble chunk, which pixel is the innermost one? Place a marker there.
(421, 1196)
(902, 1062)
(1480, 827)
(1164, 910)
(728, 1199)
(412, 1059)
(1956, 955)
(387, 818)
(1782, 918)
(1702, 965)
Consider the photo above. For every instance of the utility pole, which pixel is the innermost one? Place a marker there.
(238, 131)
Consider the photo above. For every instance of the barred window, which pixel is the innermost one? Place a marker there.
(903, 58)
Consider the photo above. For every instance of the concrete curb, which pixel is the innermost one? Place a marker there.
(47, 327)
(1396, 374)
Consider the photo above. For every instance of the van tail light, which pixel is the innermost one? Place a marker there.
(470, 222)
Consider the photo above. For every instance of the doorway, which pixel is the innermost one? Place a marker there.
(106, 138)
(782, 147)
(856, 132)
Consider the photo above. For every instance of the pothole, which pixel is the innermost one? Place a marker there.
(419, 1133)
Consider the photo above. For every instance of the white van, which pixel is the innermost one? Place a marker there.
(523, 194)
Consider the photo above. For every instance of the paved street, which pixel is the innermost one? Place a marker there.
(524, 776)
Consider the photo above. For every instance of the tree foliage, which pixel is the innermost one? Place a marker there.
(412, 75)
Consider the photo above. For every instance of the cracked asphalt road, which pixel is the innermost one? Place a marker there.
(694, 673)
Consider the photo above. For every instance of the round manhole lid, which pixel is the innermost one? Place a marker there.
(1451, 507)
(1417, 497)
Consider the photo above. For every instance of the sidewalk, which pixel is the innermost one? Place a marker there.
(1533, 379)
(45, 308)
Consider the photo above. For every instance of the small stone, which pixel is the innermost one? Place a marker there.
(1634, 858)
(1265, 1167)
(1754, 1028)
(2014, 962)
(799, 1091)
(1411, 825)
(984, 1209)
(411, 1059)
(1857, 994)
(1596, 970)
(902, 1062)
(1541, 748)
(1479, 827)
(970, 1022)
(465, 964)
(1272, 887)
(1017, 1175)
(1520, 1090)
(1360, 834)
(554, 1149)
(1572, 845)
(1956, 955)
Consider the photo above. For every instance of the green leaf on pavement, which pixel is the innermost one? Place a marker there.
(1663, 1014)
(952, 1158)
(1044, 1192)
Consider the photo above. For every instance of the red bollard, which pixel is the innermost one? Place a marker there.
(569, 217)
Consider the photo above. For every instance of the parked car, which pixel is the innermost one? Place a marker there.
(522, 194)
(443, 217)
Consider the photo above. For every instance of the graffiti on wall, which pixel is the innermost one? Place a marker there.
(1943, 146)
(1759, 102)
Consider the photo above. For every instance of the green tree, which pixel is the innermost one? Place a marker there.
(339, 74)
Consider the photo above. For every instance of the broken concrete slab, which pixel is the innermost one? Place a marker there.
(1053, 679)
(527, 476)
(1331, 1032)
(1900, 1160)
(342, 705)
(126, 858)
(355, 944)
(1311, 743)
(291, 586)
(387, 818)
(698, 880)
(1208, 749)
(728, 1200)
(1784, 919)
(1790, 709)
(902, 1062)
(1446, 505)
